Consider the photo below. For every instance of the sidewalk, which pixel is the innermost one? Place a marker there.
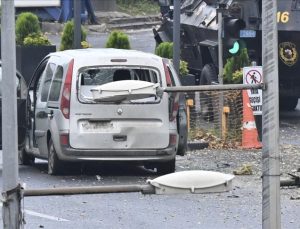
(109, 21)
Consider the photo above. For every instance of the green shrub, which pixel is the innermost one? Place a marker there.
(165, 50)
(36, 39)
(67, 38)
(118, 39)
(85, 45)
(27, 23)
(183, 68)
(233, 67)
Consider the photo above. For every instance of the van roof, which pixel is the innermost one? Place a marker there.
(105, 52)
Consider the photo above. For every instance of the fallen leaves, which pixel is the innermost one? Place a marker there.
(213, 141)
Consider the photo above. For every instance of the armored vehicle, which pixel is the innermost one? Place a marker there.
(199, 39)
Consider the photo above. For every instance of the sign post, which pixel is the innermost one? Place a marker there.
(253, 75)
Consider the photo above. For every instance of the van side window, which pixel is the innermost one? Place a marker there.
(56, 84)
(48, 73)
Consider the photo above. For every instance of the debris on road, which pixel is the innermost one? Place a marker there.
(246, 169)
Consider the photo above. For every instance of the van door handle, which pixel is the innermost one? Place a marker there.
(120, 138)
(50, 114)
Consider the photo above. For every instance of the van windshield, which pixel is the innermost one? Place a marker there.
(93, 77)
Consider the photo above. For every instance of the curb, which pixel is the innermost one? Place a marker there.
(137, 25)
(52, 27)
(137, 19)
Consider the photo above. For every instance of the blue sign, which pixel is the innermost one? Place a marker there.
(247, 33)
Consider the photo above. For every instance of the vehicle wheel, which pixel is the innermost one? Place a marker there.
(54, 164)
(24, 158)
(166, 167)
(208, 77)
(288, 103)
(182, 132)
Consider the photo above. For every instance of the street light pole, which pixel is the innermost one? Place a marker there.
(220, 45)
(11, 210)
(220, 76)
(176, 35)
(270, 119)
(77, 24)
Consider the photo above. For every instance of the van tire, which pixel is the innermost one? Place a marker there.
(166, 167)
(208, 76)
(182, 132)
(24, 158)
(54, 164)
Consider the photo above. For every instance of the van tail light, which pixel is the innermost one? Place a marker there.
(66, 93)
(172, 139)
(173, 97)
(167, 73)
(173, 108)
(64, 139)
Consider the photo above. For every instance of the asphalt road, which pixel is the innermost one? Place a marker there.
(237, 209)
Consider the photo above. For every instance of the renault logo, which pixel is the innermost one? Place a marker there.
(119, 111)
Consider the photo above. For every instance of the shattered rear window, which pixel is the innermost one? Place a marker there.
(91, 77)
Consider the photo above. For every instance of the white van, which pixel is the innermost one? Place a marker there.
(105, 105)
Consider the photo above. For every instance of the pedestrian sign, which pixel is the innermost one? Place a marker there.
(253, 75)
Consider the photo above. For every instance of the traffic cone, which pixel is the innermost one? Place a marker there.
(250, 134)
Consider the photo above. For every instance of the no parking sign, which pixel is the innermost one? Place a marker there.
(253, 75)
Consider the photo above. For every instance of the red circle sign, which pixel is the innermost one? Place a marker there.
(253, 77)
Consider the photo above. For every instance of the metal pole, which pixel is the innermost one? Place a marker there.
(145, 189)
(220, 45)
(220, 77)
(77, 24)
(216, 87)
(11, 210)
(271, 218)
(176, 35)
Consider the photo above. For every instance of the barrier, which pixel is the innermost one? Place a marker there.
(250, 137)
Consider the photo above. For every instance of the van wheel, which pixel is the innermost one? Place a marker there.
(208, 76)
(182, 132)
(24, 158)
(54, 164)
(166, 167)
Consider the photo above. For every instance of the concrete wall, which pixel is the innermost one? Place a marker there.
(104, 5)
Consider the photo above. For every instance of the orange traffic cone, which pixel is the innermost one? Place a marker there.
(250, 134)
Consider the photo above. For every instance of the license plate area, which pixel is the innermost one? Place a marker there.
(95, 125)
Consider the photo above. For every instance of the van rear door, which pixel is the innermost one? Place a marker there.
(128, 111)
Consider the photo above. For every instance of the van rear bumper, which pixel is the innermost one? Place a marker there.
(71, 154)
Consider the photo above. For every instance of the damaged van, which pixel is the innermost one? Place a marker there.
(106, 105)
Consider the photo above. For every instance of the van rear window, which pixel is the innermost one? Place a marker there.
(89, 78)
(100, 76)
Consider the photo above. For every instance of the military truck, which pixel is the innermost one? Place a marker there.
(199, 39)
